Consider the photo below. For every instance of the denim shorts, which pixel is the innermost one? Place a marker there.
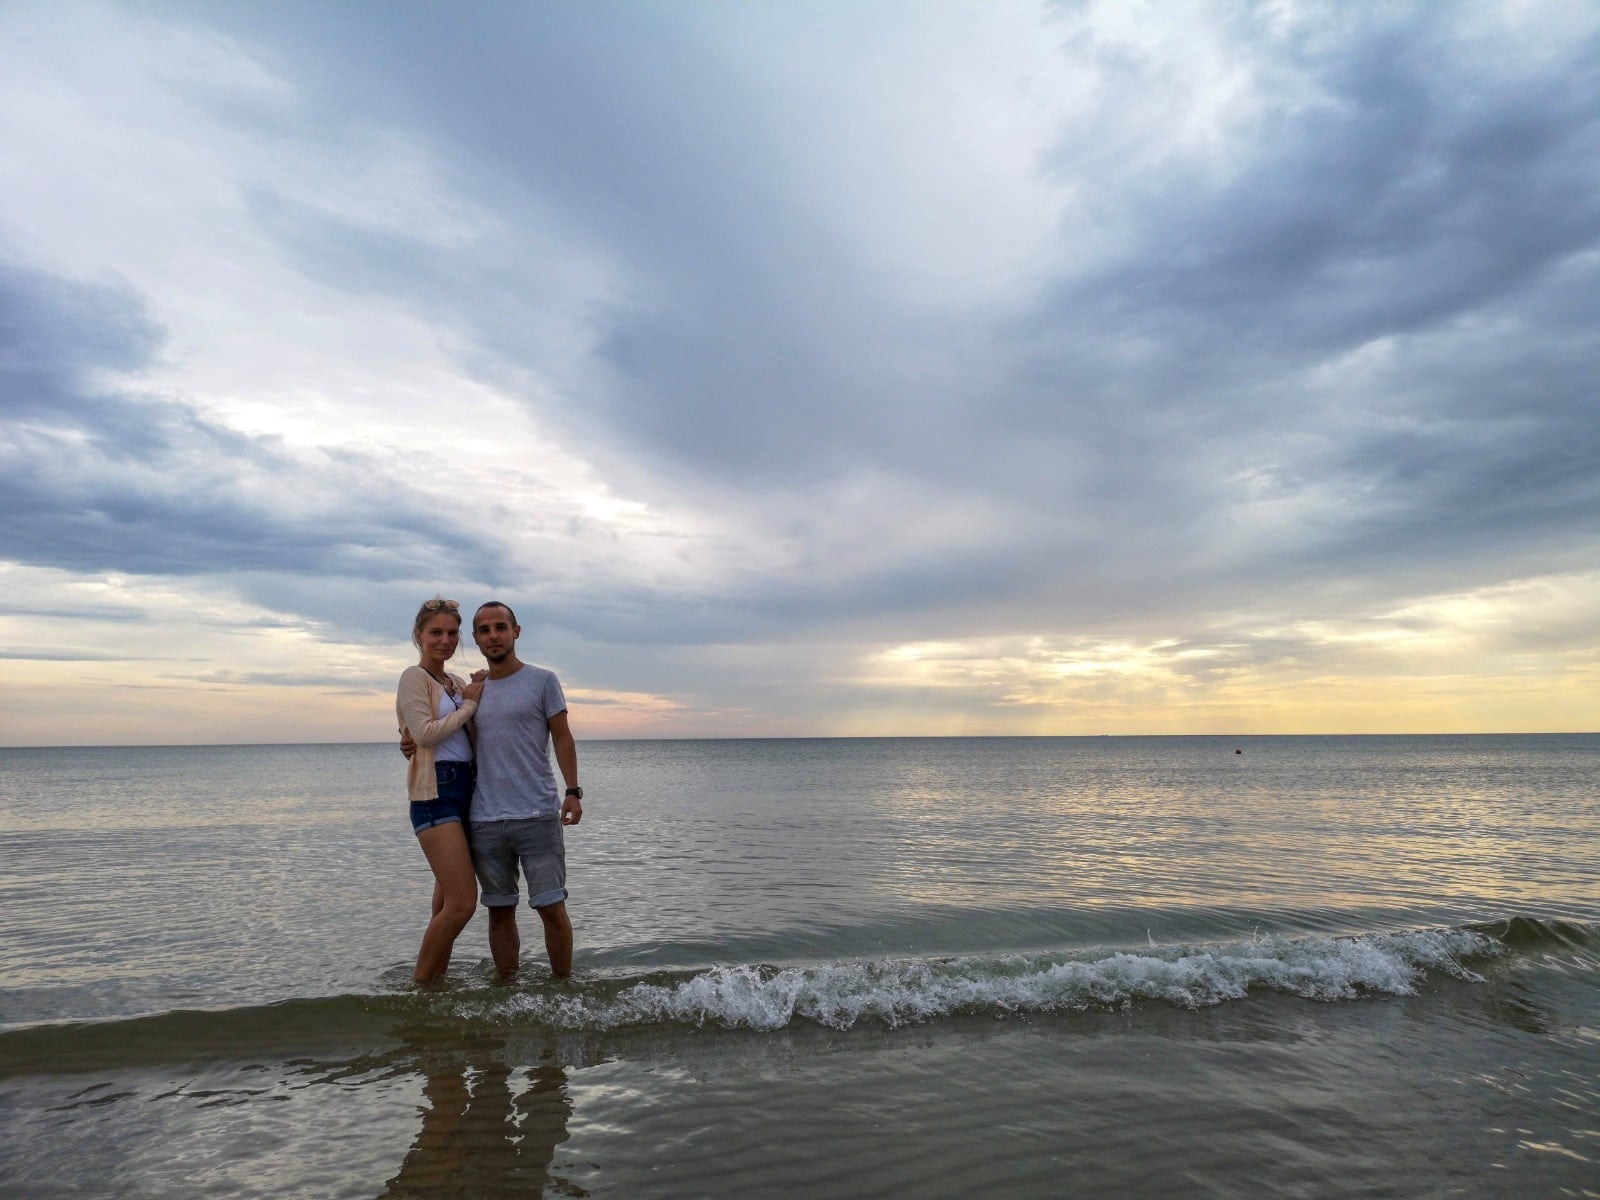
(455, 781)
(536, 845)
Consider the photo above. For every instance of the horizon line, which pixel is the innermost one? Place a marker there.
(886, 737)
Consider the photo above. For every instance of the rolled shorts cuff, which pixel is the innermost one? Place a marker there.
(416, 828)
(425, 814)
(545, 899)
(499, 901)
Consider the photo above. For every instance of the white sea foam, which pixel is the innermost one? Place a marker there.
(901, 991)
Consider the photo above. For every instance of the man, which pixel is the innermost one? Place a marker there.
(517, 813)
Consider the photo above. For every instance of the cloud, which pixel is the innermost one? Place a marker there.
(1426, 172)
(100, 477)
(1339, 336)
(16, 655)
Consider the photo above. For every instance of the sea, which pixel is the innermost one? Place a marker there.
(988, 967)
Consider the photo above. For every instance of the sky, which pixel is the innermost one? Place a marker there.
(913, 367)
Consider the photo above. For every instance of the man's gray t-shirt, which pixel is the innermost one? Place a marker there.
(515, 778)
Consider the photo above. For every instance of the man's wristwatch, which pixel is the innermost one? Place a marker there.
(575, 792)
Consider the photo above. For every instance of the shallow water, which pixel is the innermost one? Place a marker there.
(1145, 966)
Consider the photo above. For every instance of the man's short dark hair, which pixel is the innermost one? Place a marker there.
(494, 604)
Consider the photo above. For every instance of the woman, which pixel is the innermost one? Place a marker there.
(434, 708)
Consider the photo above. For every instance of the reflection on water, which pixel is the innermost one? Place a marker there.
(490, 1125)
(446, 1094)
(1153, 824)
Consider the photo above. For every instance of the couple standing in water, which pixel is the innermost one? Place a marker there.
(484, 800)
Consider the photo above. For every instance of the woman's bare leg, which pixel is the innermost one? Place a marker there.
(455, 895)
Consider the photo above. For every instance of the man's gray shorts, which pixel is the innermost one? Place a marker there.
(499, 846)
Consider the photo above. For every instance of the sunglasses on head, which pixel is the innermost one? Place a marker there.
(436, 605)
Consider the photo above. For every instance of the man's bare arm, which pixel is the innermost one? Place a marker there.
(566, 748)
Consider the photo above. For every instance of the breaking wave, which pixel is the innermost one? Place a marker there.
(841, 994)
(903, 991)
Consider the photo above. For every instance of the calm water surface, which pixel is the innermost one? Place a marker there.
(899, 967)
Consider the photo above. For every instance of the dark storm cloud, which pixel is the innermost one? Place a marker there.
(1438, 205)
(723, 350)
(1431, 179)
(96, 478)
(1423, 182)
(1349, 344)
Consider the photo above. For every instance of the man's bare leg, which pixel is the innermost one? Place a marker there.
(505, 943)
(557, 937)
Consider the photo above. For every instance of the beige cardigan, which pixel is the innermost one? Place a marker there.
(416, 704)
